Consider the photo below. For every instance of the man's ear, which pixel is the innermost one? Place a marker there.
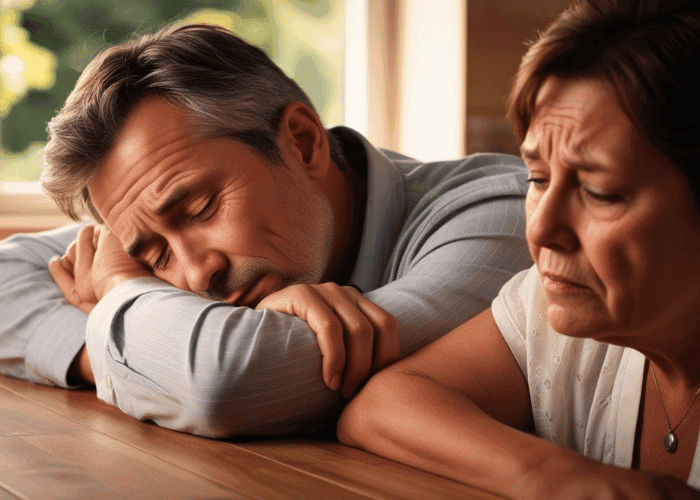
(302, 140)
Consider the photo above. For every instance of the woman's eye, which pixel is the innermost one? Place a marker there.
(537, 183)
(536, 180)
(601, 196)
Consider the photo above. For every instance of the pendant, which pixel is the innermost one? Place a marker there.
(670, 442)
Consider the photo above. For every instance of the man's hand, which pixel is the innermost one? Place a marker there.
(354, 334)
(72, 271)
(112, 265)
(92, 265)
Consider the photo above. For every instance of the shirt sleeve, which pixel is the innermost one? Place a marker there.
(206, 367)
(458, 271)
(213, 369)
(512, 310)
(40, 333)
(456, 258)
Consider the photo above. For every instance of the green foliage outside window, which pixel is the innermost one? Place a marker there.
(45, 44)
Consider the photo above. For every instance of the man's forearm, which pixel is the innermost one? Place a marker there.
(206, 367)
(40, 334)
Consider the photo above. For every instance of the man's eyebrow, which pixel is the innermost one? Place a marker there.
(175, 197)
(134, 249)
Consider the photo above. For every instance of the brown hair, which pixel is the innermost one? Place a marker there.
(228, 87)
(647, 50)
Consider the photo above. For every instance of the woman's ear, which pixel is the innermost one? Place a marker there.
(302, 140)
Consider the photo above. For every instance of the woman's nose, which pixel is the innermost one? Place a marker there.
(551, 221)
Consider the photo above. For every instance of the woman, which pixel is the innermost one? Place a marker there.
(597, 347)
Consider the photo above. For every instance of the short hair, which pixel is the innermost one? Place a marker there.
(647, 50)
(227, 87)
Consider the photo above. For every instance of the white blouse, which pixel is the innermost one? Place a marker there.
(585, 394)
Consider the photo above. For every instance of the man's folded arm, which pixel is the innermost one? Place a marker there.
(206, 367)
(212, 369)
(40, 333)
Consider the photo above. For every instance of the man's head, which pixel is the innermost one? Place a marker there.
(211, 215)
(207, 163)
(227, 87)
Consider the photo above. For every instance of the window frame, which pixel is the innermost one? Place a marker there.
(380, 82)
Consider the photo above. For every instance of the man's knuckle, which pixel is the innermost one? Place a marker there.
(387, 323)
(361, 329)
(329, 287)
(329, 325)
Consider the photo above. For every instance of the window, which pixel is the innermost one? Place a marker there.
(45, 44)
(367, 64)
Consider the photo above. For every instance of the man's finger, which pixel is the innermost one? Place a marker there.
(303, 302)
(358, 335)
(67, 264)
(62, 277)
(82, 266)
(84, 249)
(386, 332)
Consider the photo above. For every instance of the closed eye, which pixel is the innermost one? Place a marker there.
(205, 212)
(602, 196)
(162, 260)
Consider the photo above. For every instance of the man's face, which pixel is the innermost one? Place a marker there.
(210, 215)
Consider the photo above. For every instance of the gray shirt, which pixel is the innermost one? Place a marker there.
(439, 241)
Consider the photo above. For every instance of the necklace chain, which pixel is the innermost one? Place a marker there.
(670, 440)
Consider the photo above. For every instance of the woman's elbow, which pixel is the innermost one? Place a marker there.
(359, 421)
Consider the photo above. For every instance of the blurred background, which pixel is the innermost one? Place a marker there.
(45, 45)
(427, 78)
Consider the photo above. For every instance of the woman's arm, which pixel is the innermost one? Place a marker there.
(455, 408)
(450, 408)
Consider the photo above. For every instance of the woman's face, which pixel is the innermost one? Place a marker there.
(610, 221)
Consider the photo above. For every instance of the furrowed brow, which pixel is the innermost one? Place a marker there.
(175, 197)
(135, 248)
(530, 153)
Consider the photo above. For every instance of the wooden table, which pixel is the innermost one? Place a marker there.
(56, 443)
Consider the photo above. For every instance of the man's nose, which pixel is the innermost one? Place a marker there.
(198, 265)
(551, 221)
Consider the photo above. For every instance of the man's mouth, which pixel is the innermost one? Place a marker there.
(246, 294)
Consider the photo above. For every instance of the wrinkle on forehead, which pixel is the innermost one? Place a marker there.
(582, 122)
(155, 137)
(132, 218)
(124, 183)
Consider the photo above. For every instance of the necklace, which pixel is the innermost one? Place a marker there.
(670, 439)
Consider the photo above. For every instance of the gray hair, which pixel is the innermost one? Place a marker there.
(228, 88)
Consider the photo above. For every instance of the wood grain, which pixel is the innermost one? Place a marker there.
(56, 444)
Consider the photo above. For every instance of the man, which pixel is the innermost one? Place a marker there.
(225, 205)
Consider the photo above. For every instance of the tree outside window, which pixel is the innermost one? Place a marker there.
(45, 44)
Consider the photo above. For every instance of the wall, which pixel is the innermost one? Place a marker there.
(496, 41)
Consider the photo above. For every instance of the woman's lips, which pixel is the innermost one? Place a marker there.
(559, 284)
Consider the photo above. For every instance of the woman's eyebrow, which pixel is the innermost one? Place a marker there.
(530, 152)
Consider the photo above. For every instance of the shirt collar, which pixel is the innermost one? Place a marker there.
(383, 217)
